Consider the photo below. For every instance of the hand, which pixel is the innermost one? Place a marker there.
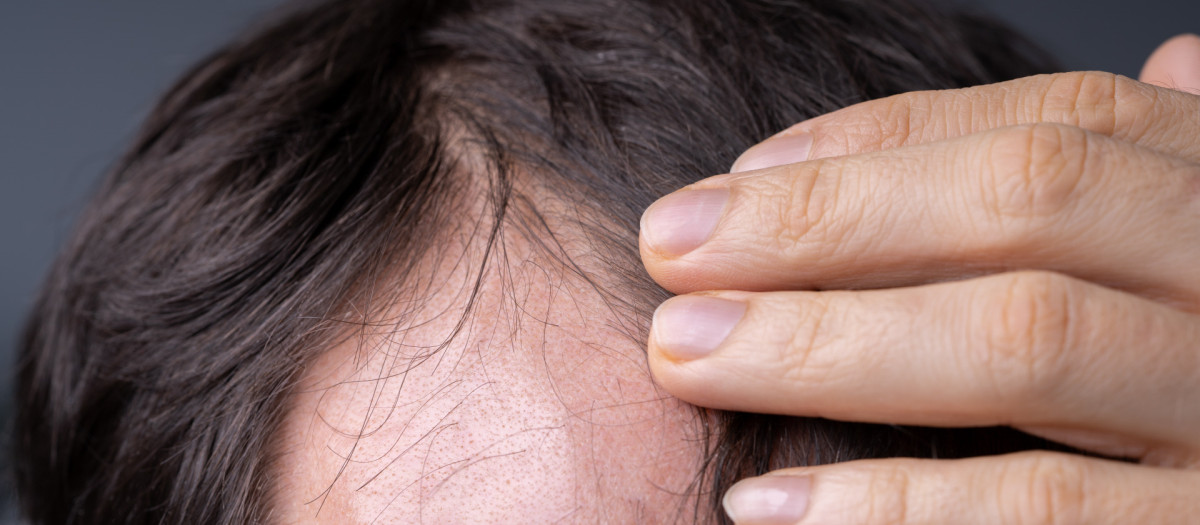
(1025, 254)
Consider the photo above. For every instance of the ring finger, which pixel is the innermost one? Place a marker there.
(1028, 349)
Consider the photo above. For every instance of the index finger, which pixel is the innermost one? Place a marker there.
(1120, 107)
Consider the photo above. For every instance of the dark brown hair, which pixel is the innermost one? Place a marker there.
(287, 172)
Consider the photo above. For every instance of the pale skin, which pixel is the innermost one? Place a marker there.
(540, 410)
(1025, 254)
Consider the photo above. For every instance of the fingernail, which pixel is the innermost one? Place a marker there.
(776, 151)
(692, 326)
(682, 221)
(768, 500)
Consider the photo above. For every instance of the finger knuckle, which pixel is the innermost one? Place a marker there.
(1042, 488)
(1028, 321)
(903, 119)
(881, 124)
(807, 216)
(1085, 98)
(1036, 171)
(804, 363)
(889, 490)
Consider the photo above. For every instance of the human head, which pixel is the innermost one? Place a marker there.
(355, 167)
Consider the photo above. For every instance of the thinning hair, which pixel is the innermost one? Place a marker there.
(282, 175)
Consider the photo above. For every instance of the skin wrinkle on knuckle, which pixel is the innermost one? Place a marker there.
(1096, 102)
(887, 490)
(840, 137)
(1086, 99)
(1043, 488)
(1036, 172)
(1027, 332)
(839, 133)
(804, 216)
(901, 115)
(804, 359)
(1137, 108)
(875, 125)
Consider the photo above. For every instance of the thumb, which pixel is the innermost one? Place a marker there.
(1175, 64)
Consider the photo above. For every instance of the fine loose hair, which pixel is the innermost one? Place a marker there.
(276, 182)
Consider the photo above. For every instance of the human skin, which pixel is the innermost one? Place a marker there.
(541, 410)
(1020, 254)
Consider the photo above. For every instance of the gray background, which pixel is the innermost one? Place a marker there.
(76, 76)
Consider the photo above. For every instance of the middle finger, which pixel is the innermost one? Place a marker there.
(1043, 196)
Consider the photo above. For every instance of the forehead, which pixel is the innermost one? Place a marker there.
(535, 405)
